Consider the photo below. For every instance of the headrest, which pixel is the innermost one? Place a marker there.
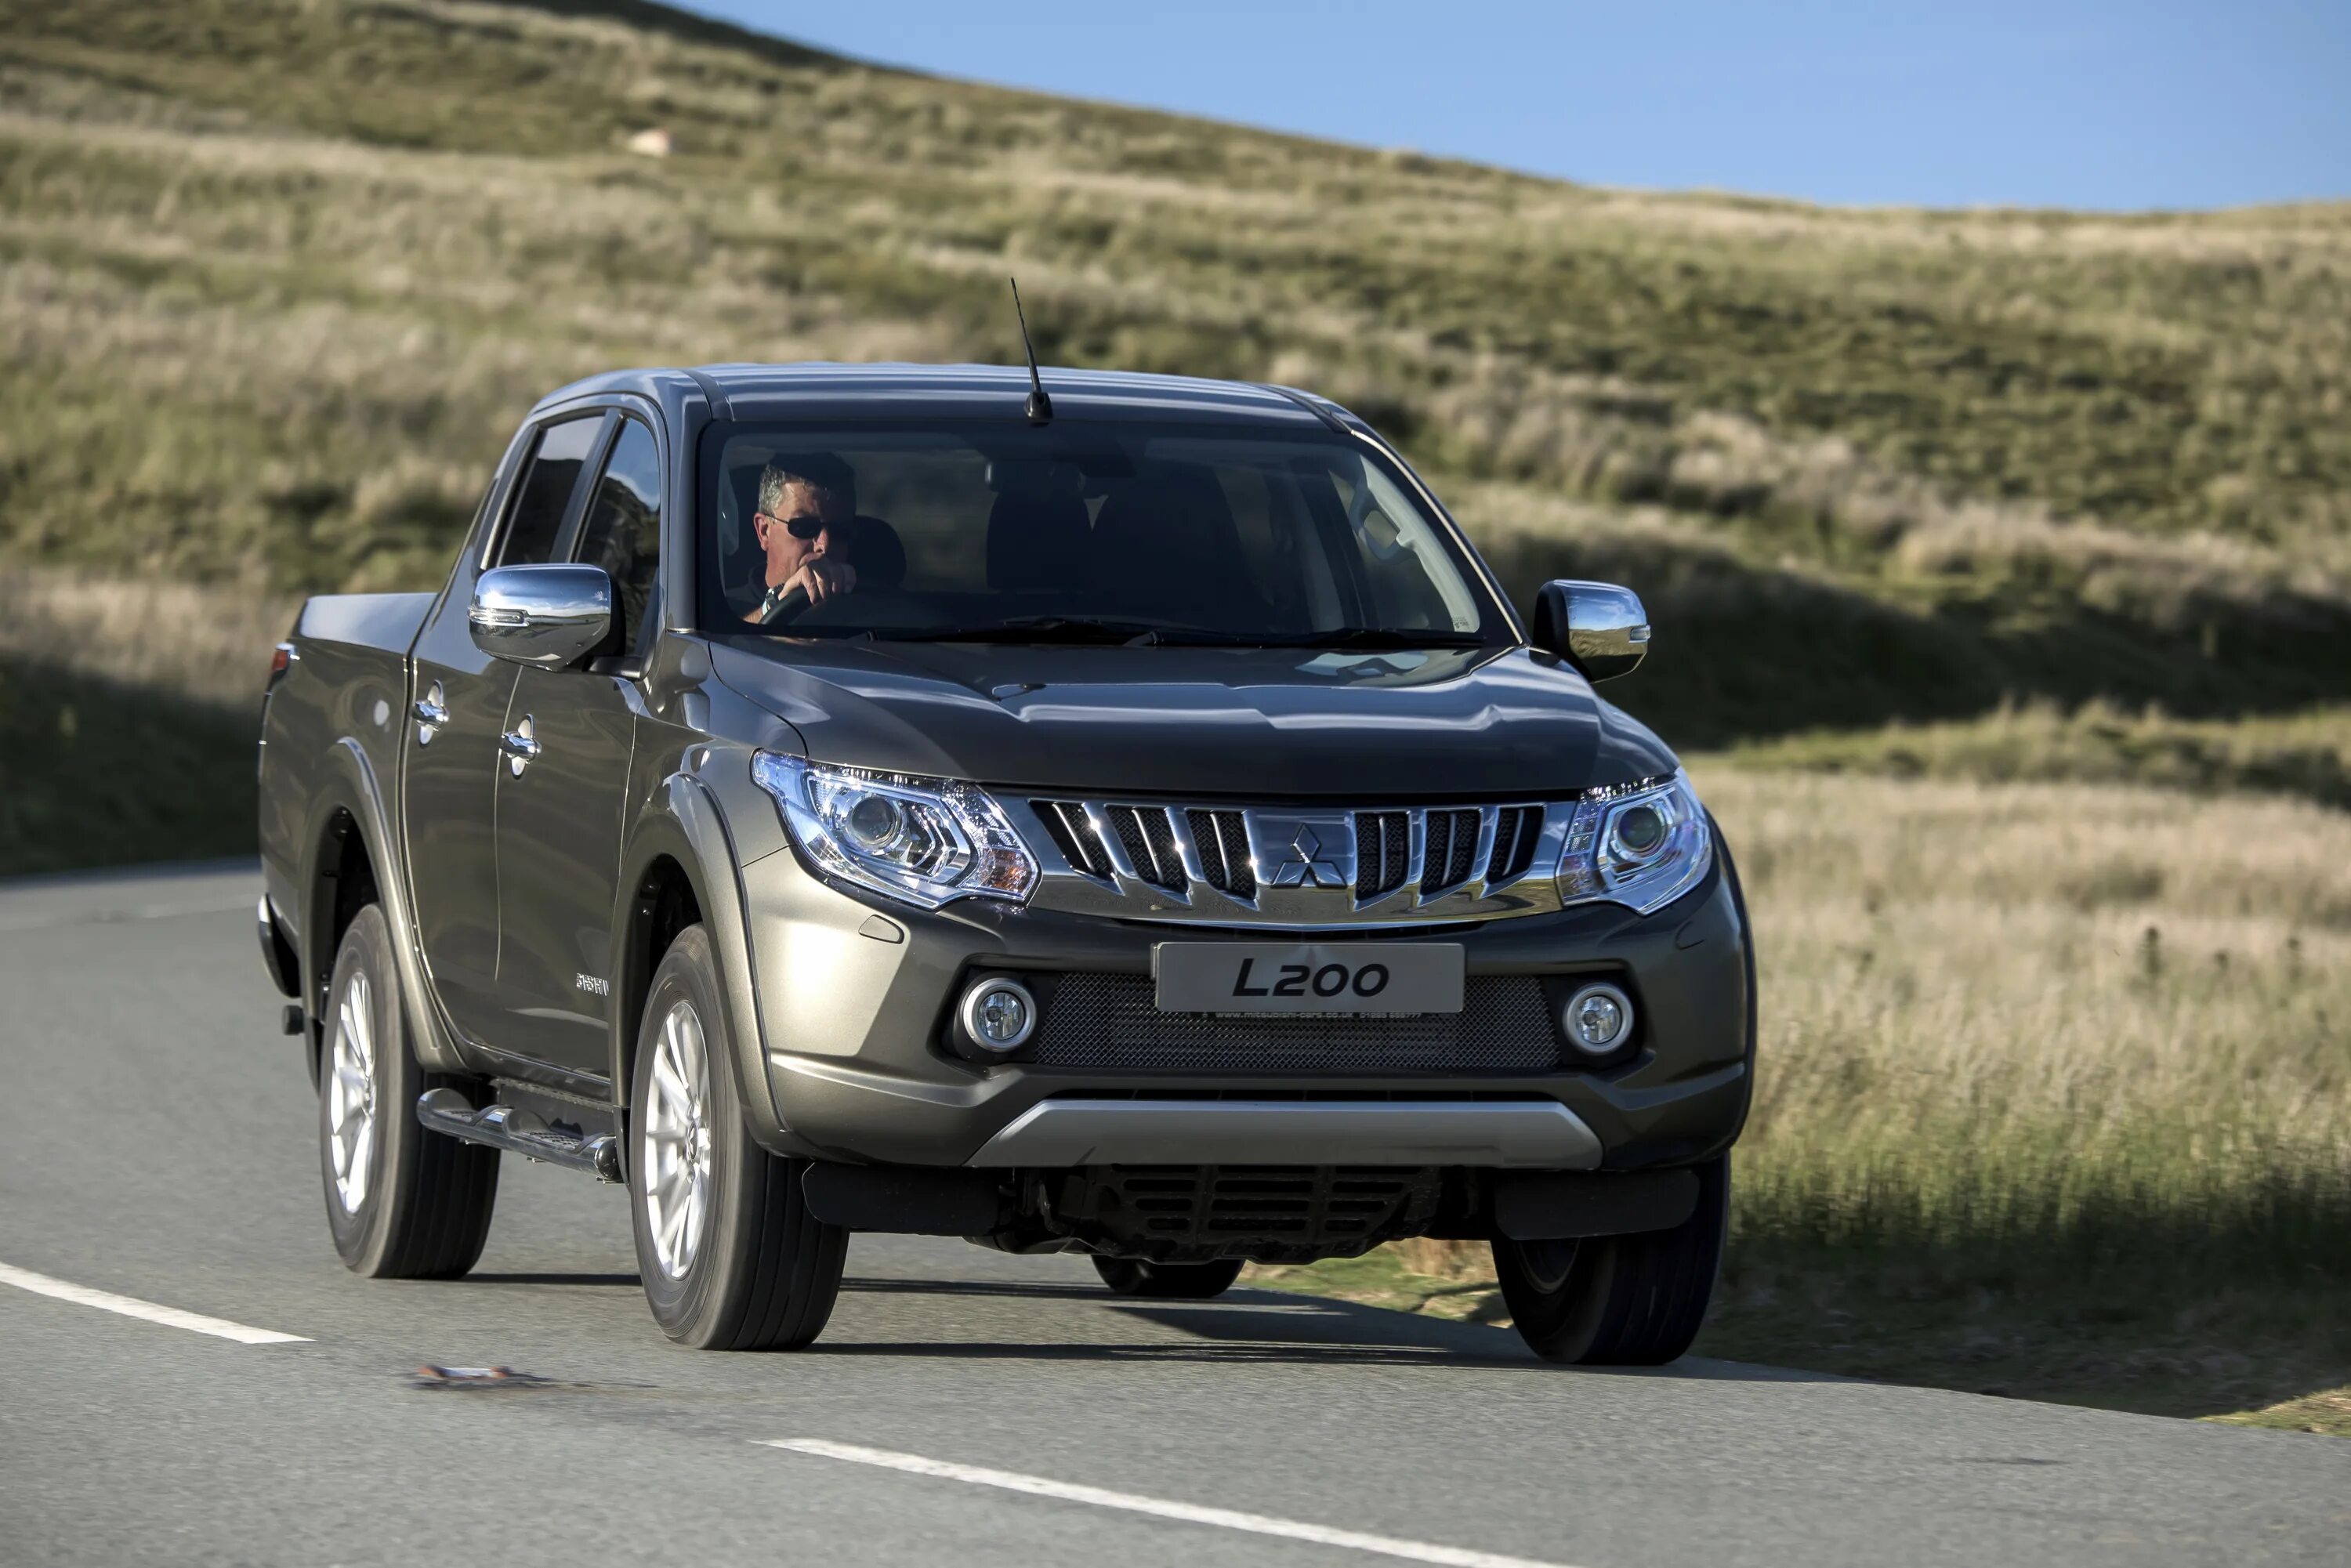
(1037, 539)
(878, 554)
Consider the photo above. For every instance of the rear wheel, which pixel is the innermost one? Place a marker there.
(403, 1202)
(1168, 1281)
(1620, 1300)
(730, 1255)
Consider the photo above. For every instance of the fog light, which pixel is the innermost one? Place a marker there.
(999, 1014)
(1599, 1018)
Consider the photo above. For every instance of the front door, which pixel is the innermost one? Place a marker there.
(454, 751)
(561, 813)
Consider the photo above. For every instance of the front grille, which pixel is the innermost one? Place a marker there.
(1322, 866)
(1149, 844)
(1095, 1020)
(1516, 829)
(1073, 834)
(1383, 851)
(1452, 849)
(1274, 1211)
(1223, 841)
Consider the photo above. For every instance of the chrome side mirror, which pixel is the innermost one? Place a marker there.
(1598, 627)
(550, 616)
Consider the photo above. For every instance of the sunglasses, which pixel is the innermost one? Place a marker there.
(800, 527)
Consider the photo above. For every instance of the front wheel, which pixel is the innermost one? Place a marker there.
(730, 1255)
(1168, 1281)
(1620, 1300)
(403, 1203)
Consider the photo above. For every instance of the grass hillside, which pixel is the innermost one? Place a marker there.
(2002, 559)
(276, 279)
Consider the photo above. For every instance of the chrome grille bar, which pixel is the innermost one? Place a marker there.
(1301, 867)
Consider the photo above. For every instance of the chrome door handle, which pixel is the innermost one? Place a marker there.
(521, 745)
(432, 712)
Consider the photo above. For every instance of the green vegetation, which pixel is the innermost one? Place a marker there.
(154, 776)
(1958, 529)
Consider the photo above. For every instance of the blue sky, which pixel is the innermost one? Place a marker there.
(2077, 103)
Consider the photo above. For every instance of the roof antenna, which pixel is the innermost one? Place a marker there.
(1040, 408)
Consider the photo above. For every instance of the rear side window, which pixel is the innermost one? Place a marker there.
(545, 494)
(623, 533)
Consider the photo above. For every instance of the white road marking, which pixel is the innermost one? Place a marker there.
(1185, 1512)
(131, 1307)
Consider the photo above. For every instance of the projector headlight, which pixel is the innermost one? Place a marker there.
(1642, 845)
(926, 841)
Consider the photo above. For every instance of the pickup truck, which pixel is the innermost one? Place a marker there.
(1129, 821)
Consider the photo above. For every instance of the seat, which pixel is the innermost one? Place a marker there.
(1038, 540)
(742, 565)
(1166, 546)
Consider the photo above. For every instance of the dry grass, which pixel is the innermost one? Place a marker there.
(276, 279)
(2303, 754)
(208, 643)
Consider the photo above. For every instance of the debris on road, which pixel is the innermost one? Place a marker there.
(432, 1377)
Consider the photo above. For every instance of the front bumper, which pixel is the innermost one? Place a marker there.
(855, 1000)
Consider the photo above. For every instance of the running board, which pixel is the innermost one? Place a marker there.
(447, 1112)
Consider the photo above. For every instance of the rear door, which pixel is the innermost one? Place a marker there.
(560, 814)
(453, 752)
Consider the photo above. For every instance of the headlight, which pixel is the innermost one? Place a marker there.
(1643, 845)
(925, 840)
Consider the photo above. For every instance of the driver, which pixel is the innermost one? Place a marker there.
(807, 507)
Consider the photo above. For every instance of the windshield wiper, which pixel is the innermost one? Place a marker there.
(1374, 637)
(1035, 629)
(1104, 631)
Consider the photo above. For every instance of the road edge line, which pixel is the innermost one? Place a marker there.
(150, 1312)
(1161, 1508)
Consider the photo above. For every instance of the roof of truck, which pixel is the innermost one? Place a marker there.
(965, 392)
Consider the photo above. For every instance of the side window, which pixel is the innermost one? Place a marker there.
(545, 494)
(623, 533)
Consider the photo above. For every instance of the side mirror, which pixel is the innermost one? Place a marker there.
(550, 616)
(1598, 627)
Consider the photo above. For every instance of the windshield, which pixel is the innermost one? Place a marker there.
(1077, 531)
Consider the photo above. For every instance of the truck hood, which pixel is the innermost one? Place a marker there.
(1454, 723)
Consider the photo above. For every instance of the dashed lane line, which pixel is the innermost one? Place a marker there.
(1184, 1512)
(132, 1307)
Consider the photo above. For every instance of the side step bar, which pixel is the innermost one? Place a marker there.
(506, 1127)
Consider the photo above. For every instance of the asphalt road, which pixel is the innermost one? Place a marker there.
(156, 1142)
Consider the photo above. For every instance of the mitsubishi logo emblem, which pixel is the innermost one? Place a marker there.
(1302, 849)
(1308, 866)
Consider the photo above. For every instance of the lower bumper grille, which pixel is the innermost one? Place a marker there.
(1268, 1212)
(1113, 1021)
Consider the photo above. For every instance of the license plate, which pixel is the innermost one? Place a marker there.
(1308, 976)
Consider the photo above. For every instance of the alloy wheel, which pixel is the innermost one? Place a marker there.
(351, 1094)
(674, 1147)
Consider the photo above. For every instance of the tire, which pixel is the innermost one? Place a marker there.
(1620, 1300)
(1168, 1282)
(739, 1264)
(403, 1203)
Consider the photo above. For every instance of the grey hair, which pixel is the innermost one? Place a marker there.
(816, 470)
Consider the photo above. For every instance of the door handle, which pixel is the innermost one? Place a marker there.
(521, 745)
(432, 712)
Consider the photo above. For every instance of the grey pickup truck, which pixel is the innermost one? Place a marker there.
(1100, 813)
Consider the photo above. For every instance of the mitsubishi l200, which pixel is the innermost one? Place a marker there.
(1129, 821)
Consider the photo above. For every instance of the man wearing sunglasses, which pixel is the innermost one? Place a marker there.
(807, 507)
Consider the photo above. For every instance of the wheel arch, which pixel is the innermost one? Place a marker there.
(351, 861)
(680, 861)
